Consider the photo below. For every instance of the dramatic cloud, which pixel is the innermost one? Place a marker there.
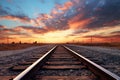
(8, 32)
(115, 32)
(76, 18)
(79, 23)
(28, 29)
(65, 7)
(34, 22)
(15, 18)
(106, 13)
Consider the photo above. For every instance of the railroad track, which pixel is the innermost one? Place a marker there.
(62, 63)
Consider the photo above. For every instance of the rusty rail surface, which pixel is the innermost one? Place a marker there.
(101, 72)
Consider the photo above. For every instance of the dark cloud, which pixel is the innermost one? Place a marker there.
(7, 11)
(35, 30)
(58, 24)
(4, 32)
(103, 12)
(102, 36)
(3, 12)
(81, 31)
(1, 26)
(5, 37)
(86, 14)
(115, 32)
(107, 15)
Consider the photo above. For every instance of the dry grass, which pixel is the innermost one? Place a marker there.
(5, 47)
(115, 45)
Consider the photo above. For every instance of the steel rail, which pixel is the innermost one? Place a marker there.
(99, 71)
(28, 73)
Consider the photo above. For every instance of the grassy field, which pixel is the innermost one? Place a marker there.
(4, 47)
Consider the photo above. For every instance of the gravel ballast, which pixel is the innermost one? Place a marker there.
(109, 57)
(13, 57)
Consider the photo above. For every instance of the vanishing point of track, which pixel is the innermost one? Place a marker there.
(62, 59)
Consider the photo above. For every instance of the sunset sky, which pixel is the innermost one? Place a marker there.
(59, 21)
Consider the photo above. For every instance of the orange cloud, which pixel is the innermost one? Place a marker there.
(39, 21)
(60, 9)
(54, 12)
(34, 22)
(76, 18)
(78, 21)
(29, 34)
(65, 7)
(78, 24)
(15, 18)
(44, 17)
(21, 19)
(33, 30)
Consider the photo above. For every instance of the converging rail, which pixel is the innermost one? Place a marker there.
(103, 73)
(63, 58)
(30, 71)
